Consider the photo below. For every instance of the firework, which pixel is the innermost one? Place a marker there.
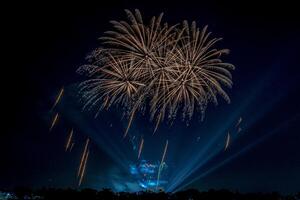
(83, 156)
(168, 69)
(227, 141)
(165, 151)
(162, 163)
(239, 130)
(72, 145)
(60, 94)
(141, 147)
(161, 166)
(54, 121)
(69, 140)
(83, 168)
(238, 122)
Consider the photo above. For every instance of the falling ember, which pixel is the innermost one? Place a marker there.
(239, 122)
(84, 167)
(72, 145)
(83, 157)
(54, 121)
(227, 141)
(161, 163)
(61, 92)
(69, 140)
(157, 122)
(165, 151)
(141, 147)
(161, 166)
(239, 130)
(129, 123)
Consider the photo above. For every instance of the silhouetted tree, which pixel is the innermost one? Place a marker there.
(23, 192)
(107, 194)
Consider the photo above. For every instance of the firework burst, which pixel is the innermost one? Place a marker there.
(164, 69)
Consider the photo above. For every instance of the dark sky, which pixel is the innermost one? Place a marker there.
(46, 44)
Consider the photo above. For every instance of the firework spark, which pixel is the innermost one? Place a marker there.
(83, 168)
(60, 94)
(54, 121)
(238, 122)
(239, 130)
(162, 163)
(141, 148)
(72, 145)
(169, 69)
(165, 151)
(227, 141)
(69, 140)
(82, 160)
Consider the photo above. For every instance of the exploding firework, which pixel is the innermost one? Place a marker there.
(167, 69)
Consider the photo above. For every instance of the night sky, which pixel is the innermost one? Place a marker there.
(47, 43)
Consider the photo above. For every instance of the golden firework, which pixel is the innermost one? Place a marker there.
(54, 122)
(69, 140)
(162, 162)
(153, 66)
(83, 157)
(141, 148)
(59, 96)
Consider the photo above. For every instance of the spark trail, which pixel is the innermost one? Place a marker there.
(141, 148)
(162, 163)
(239, 122)
(69, 140)
(60, 94)
(72, 145)
(83, 168)
(227, 141)
(54, 121)
(82, 160)
(239, 130)
(165, 151)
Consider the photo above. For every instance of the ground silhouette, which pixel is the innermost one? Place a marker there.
(107, 194)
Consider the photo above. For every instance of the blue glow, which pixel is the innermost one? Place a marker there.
(133, 170)
(145, 174)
